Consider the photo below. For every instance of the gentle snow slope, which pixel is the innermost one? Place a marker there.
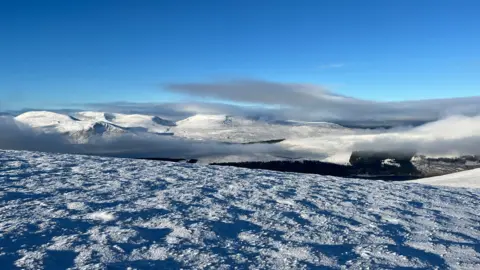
(140, 122)
(52, 122)
(239, 130)
(469, 178)
(81, 212)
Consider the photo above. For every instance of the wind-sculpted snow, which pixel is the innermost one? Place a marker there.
(82, 212)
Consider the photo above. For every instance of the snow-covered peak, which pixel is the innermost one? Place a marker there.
(95, 116)
(44, 118)
(141, 120)
(148, 122)
(213, 120)
(95, 130)
(240, 129)
(50, 121)
(104, 127)
(94, 122)
(312, 123)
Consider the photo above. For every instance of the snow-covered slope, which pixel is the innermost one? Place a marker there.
(136, 122)
(222, 128)
(80, 212)
(78, 130)
(52, 122)
(84, 126)
(470, 178)
(240, 130)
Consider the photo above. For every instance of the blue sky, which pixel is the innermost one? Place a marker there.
(56, 53)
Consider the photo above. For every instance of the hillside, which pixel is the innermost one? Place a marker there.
(83, 127)
(81, 212)
(237, 129)
(470, 178)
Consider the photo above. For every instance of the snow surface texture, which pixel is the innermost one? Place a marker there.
(470, 178)
(81, 212)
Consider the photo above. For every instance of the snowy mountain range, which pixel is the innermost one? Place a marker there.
(199, 127)
(232, 139)
(84, 125)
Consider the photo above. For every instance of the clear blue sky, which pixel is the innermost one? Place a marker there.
(61, 52)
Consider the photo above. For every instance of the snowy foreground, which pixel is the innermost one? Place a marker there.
(80, 212)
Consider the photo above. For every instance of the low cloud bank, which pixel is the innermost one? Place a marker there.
(452, 136)
(17, 136)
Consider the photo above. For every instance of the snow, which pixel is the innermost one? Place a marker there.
(82, 212)
(236, 129)
(390, 162)
(52, 122)
(146, 123)
(83, 125)
(451, 137)
(470, 178)
(223, 128)
(102, 216)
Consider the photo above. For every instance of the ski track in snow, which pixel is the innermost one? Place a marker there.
(81, 212)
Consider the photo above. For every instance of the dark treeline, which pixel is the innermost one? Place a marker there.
(324, 168)
(173, 160)
(363, 164)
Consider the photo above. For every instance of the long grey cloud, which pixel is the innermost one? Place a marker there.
(288, 101)
(178, 111)
(316, 102)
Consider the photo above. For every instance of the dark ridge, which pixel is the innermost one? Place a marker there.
(456, 160)
(370, 165)
(324, 168)
(173, 160)
(304, 166)
(109, 116)
(73, 118)
(266, 142)
(163, 122)
(440, 166)
(381, 124)
(376, 157)
(256, 142)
